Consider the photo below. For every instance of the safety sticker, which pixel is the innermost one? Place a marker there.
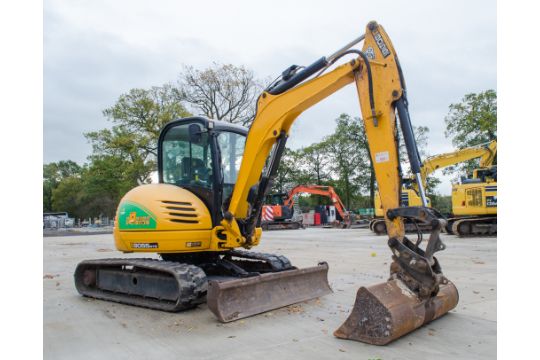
(370, 53)
(382, 157)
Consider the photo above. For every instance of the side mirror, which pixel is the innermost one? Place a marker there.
(195, 133)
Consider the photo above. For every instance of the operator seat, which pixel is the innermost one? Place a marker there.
(199, 172)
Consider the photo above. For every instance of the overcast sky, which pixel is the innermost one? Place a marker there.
(96, 50)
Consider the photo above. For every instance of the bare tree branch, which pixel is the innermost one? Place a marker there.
(222, 92)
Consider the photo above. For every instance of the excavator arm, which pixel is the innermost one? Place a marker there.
(417, 291)
(490, 152)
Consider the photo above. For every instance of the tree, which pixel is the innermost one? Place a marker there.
(442, 203)
(53, 174)
(431, 183)
(421, 137)
(139, 117)
(471, 122)
(314, 161)
(349, 161)
(288, 171)
(105, 181)
(474, 120)
(68, 196)
(364, 144)
(221, 92)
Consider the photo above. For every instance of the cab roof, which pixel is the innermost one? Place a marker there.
(218, 125)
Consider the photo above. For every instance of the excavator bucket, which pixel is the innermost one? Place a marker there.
(240, 298)
(387, 311)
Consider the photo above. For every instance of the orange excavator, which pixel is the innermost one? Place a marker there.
(279, 212)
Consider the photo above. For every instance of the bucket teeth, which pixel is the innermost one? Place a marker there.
(237, 299)
(387, 311)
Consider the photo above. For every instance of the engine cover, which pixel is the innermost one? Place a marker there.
(162, 218)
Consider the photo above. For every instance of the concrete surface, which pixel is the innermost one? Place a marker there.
(81, 328)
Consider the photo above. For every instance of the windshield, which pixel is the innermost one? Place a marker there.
(231, 146)
(187, 160)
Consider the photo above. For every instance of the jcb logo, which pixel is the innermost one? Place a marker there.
(381, 44)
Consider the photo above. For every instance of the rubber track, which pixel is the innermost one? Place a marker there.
(277, 262)
(191, 280)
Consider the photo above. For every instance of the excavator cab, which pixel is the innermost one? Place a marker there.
(202, 156)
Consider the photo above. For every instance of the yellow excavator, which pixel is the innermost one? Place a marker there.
(213, 178)
(409, 193)
(474, 200)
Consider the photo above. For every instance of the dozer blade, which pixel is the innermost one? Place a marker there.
(387, 311)
(240, 298)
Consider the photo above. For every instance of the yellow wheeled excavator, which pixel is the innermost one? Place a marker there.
(213, 178)
(409, 193)
(474, 200)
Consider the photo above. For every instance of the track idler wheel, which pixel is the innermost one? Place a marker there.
(387, 311)
(379, 227)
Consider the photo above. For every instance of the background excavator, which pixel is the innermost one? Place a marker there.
(409, 192)
(213, 178)
(279, 210)
(474, 200)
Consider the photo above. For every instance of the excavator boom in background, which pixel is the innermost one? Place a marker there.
(204, 209)
(409, 195)
(474, 199)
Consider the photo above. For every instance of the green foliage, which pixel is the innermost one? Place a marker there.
(53, 174)
(68, 196)
(349, 161)
(105, 181)
(126, 154)
(471, 122)
(431, 183)
(341, 160)
(314, 161)
(441, 203)
(288, 171)
(371, 180)
(122, 157)
(421, 137)
(139, 117)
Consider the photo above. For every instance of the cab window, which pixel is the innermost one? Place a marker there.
(231, 147)
(187, 159)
